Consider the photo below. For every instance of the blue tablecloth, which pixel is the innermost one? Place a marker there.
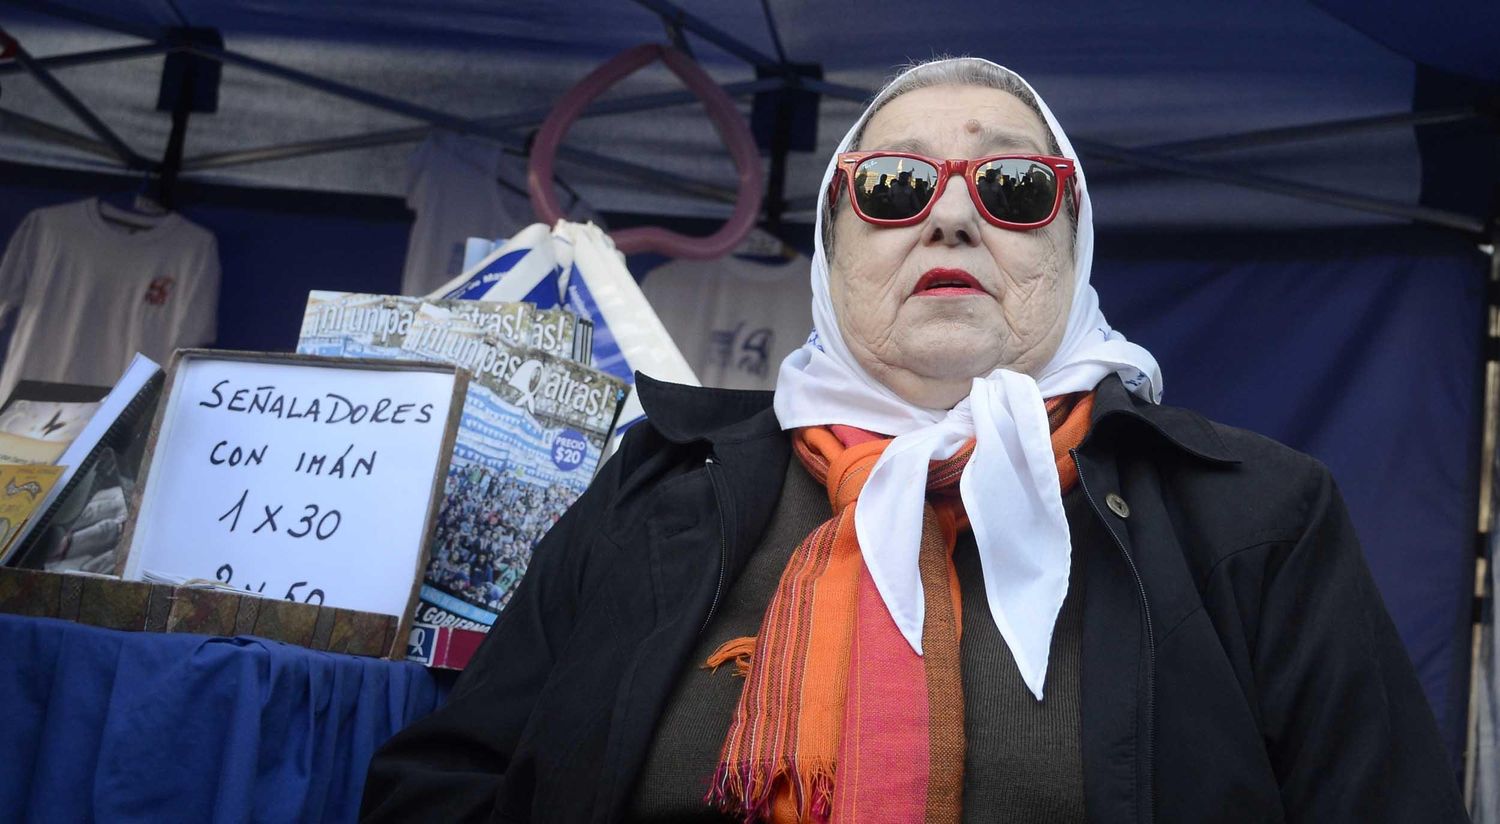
(133, 726)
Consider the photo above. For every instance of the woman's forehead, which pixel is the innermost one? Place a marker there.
(949, 121)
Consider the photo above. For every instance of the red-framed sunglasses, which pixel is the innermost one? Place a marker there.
(899, 188)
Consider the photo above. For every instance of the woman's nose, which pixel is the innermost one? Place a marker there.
(953, 221)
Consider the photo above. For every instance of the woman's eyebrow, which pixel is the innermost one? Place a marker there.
(1000, 139)
(914, 145)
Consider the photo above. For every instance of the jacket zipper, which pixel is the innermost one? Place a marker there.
(708, 466)
(1150, 633)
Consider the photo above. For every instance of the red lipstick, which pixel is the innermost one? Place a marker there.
(948, 282)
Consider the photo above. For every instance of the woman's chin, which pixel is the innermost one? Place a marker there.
(953, 355)
(964, 367)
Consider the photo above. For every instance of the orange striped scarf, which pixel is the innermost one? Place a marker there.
(840, 720)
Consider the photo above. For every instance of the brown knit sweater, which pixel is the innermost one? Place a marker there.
(1023, 761)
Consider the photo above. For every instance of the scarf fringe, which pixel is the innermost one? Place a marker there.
(738, 650)
(750, 789)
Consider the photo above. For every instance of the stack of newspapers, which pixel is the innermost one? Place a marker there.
(534, 429)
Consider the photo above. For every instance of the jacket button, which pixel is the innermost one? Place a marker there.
(1117, 505)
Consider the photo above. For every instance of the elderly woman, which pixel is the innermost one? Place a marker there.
(962, 566)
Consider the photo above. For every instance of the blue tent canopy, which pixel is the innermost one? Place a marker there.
(1146, 90)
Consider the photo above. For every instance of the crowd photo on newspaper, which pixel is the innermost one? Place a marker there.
(486, 531)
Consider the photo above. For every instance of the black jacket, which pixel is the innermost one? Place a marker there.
(1237, 665)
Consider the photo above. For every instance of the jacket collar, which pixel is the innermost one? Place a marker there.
(683, 414)
(1115, 407)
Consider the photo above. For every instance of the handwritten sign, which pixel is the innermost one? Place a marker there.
(297, 477)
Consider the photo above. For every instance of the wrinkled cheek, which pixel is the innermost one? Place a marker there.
(1031, 310)
(1033, 320)
(863, 293)
(848, 309)
(867, 327)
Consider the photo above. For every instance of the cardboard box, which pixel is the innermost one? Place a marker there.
(136, 606)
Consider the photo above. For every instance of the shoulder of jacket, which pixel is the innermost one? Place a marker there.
(1270, 495)
(1262, 455)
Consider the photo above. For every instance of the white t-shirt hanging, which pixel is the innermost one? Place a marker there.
(90, 293)
(735, 319)
(462, 187)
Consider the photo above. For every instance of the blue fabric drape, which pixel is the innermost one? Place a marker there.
(1362, 349)
(125, 726)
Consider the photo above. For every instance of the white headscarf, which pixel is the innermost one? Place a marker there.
(1010, 487)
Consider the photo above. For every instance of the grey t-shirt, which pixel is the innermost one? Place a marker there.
(88, 294)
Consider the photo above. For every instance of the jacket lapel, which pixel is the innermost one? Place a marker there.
(1115, 667)
(695, 556)
(1119, 654)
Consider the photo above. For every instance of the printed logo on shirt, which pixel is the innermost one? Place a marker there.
(160, 291)
(749, 352)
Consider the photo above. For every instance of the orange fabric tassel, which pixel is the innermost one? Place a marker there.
(737, 650)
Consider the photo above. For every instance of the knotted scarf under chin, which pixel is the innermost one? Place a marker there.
(840, 720)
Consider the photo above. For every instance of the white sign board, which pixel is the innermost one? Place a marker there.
(296, 477)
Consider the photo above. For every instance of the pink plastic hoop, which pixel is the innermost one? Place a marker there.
(726, 119)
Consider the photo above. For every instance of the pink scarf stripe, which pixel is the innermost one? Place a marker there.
(883, 759)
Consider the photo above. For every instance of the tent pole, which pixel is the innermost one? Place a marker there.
(677, 37)
(1361, 203)
(1482, 560)
(1312, 131)
(171, 162)
(372, 99)
(530, 118)
(689, 22)
(62, 61)
(125, 154)
(1264, 137)
(1317, 194)
(675, 16)
(679, 19)
(1151, 160)
(837, 90)
(42, 130)
(600, 163)
(765, 7)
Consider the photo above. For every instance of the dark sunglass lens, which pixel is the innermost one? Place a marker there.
(1017, 191)
(894, 188)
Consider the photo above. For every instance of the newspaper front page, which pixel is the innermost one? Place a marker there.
(532, 433)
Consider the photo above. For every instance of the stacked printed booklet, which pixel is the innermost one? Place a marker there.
(535, 425)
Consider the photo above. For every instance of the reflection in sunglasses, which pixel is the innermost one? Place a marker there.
(894, 188)
(1015, 190)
